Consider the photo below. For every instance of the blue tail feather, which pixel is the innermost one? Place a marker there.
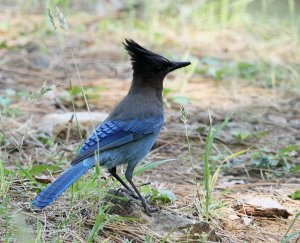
(52, 191)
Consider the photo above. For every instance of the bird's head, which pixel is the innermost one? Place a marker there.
(148, 66)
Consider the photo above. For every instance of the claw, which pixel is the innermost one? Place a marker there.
(150, 209)
(129, 192)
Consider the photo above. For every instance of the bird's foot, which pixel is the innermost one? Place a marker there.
(129, 192)
(150, 209)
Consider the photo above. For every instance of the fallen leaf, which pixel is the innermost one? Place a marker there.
(43, 179)
(262, 207)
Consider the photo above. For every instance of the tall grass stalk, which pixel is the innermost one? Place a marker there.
(207, 152)
(63, 23)
(183, 117)
(211, 179)
(58, 37)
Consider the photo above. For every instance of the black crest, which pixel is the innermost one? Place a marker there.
(141, 56)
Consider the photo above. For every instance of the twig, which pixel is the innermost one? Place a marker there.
(69, 129)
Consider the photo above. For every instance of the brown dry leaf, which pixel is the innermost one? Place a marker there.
(43, 179)
(262, 207)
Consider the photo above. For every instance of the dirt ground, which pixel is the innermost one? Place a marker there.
(268, 117)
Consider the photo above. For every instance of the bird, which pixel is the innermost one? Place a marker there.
(129, 131)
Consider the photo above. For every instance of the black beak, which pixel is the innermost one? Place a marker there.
(176, 65)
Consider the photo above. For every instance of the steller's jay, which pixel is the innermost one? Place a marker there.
(128, 133)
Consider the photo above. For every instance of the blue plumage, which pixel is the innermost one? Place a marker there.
(52, 191)
(128, 133)
(111, 134)
(112, 143)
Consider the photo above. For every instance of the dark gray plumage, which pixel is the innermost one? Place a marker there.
(128, 133)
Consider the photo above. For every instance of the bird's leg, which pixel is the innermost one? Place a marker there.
(148, 207)
(113, 172)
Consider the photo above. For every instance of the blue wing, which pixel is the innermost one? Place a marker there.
(111, 134)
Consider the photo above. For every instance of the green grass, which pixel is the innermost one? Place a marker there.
(209, 180)
(208, 203)
(287, 237)
(208, 186)
(85, 197)
(274, 164)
